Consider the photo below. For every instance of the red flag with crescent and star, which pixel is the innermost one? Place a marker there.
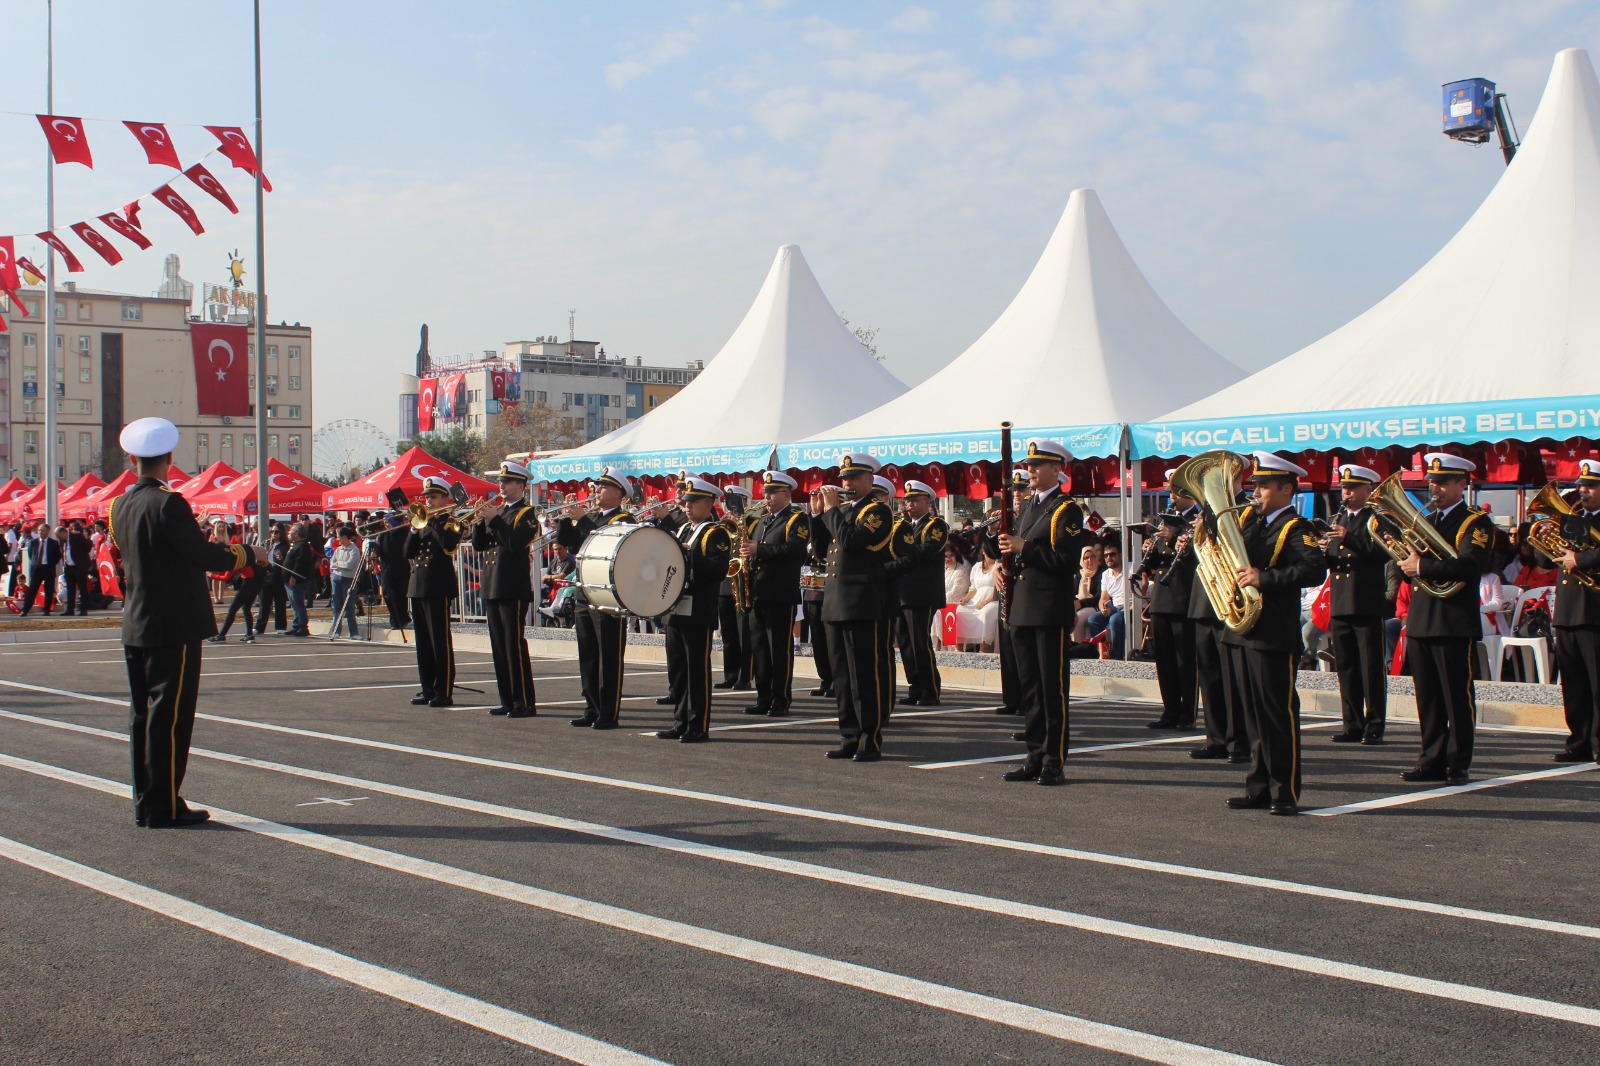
(180, 207)
(236, 146)
(497, 384)
(221, 367)
(122, 226)
(157, 144)
(73, 266)
(208, 182)
(10, 280)
(425, 402)
(67, 141)
(102, 247)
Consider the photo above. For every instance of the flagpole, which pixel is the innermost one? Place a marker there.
(49, 390)
(263, 483)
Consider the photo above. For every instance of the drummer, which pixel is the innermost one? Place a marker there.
(601, 636)
(707, 549)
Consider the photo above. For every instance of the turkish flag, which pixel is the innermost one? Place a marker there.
(221, 367)
(105, 562)
(67, 141)
(126, 228)
(131, 213)
(236, 146)
(947, 625)
(30, 273)
(203, 178)
(156, 143)
(497, 384)
(180, 207)
(73, 266)
(9, 281)
(91, 236)
(425, 401)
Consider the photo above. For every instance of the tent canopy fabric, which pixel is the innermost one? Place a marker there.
(406, 474)
(30, 501)
(791, 368)
(88, 485)
(12, 490)
(287, 490)
(218, 475)
(1496, 338)
(94, 505)
(1085, 346)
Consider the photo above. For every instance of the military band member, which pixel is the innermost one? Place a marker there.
(602, 638)
(856, 610)
(921, 587)
(503, 538)
(166, 615)
(1220, 693)
(1285, 556)
(433, 586)
(1357, 608)
(1577, 624)
(775, 550)
(812, 594)
(1172, 633)
(731, 624)
(707, 549)
(1045, 543)
(1441, 632)
(1012, 699)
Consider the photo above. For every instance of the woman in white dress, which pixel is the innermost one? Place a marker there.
(979, 611)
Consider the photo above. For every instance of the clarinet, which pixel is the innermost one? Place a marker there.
(1008, 567)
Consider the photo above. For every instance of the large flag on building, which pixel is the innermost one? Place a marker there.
(513, 386)
(426, 400)
(452, 402)
(221, 367)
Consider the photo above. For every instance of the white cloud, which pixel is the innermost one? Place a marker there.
(607, 143)
(674, 44)
(915, 20)
(827, 34)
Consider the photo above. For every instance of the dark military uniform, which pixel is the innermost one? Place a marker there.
(602, 637)
(706, 548)
(1040, 614)
(781, 538)
(1172, 632)
(503, 539)
(811, 599)
(166, 614)
(394, 573)
(433, 587)
(1440, 634)
(1358, 604)
(920, 570)
(1577, 626)
(1220, 690)
(735, 627)
(857, 613)
(1285, 549)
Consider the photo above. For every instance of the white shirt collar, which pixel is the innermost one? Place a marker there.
(1446, 511)
(1273, 517)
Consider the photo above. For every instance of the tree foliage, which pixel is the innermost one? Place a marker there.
(536, 428)
(455, 446)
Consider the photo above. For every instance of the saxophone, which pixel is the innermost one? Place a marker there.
(1217, 539)
(739, 569)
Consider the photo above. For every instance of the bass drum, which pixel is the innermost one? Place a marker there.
(631, 569)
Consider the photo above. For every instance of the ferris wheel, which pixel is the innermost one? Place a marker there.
(347, 448)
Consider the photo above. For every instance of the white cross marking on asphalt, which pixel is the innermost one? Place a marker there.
(325, 799)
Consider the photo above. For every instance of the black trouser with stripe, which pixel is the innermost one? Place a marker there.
(1271, 720)
(1578, 655)
(1045, 674)
(914, 634)
(436, 650)
(394, 597)
(772, 653)
(1219, 690)
(1172, 640)
(602, 643)
(818, 631)
(1447, 704)
(1357, 643)
(1012, 696)
(863, 680)
(164, 686)
(508, 643)
(689, 675)
(735, 655)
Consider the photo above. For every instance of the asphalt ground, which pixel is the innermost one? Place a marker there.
(387, 883)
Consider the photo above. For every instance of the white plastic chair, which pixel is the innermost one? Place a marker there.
(1538, 647)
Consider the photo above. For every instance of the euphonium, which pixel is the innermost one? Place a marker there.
(1547, 510)
(1411, 532)
(1218, 542)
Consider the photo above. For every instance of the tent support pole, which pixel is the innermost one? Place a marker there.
(1130, 616)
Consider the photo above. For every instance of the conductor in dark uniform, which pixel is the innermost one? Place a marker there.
(502, 538)
(707, 547)
(1285, 557)
(921, 582)
(602, 638)
(731, 624)
(1577, 622)
(1045, 545)
(166, 614)
(1441, 631)
(1170, 573)
(430, 552)
(775, 551)
(1357, 607)
(856, 534)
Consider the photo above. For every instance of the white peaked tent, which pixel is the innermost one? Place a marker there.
(789, 369)
(1495, 338)
(1085, 346)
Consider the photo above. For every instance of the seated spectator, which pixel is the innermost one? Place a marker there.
(1110, 615)
(1393, 627)
(1537, 573)
(978, 611)
(1310, 635)
(1088, 592)
(956, 580)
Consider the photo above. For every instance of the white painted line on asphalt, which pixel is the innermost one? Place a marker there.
(778, 723)
(436, 999)
(858, 821)
(320, 800)
(852, 975)
(1019, 756)
(1386, 802)
(536, 677)
(321, 670)
(216, 656)
(123, 702)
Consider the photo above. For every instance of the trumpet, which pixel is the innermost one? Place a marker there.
(1547, 510)
(1410, 533)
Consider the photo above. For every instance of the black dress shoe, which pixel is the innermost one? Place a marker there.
(757, 710)
(693, 738)
(187, 816)
(218, 639)
(723, 684)
(1284, 808)
(1372, 740)
(1019, 736)
(499, 710)
(744, 686)
(1052, 777)
(1239, 757)
(666, 701)
(1161, 723)
(601, 723)
(1249, 803)
(669, 734)
(584, 722)
(1022, 773)
(522, 712)
(1571, 756)
(1348, 737)
(843, 751)
(1456, 777)
(1208, 752)
(778, 712)
(442, 701)
(866, 756)
(420, 698)
(823, 691)
(1420, 774)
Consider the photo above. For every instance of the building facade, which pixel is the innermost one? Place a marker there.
(121, 357)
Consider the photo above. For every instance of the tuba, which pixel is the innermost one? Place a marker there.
(1217, 539)
(1545, 533)
(1408, 530)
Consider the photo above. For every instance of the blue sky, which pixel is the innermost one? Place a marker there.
(1274, 168)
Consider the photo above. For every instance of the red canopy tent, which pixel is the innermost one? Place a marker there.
(31, 501)
(93, 505)
(213, 477)
(287, 491)
(86, 487)
(11, 490)
(406, 474)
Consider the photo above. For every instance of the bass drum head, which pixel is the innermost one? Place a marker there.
(648, 573)
(592, 568)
